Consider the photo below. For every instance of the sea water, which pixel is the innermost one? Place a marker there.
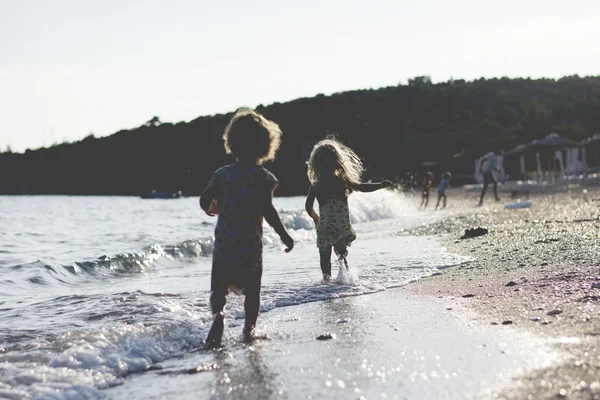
(93, 289)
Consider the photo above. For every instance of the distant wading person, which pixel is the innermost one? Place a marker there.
(334, 171)
(241, 194)
(487, 167)
(441, 189)
(426, 186)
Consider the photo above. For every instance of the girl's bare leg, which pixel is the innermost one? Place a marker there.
(325, 256)
(342, 252)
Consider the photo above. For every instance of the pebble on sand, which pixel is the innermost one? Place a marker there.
(474, 232)
(326, 336)
(554, 312)
(511, 283)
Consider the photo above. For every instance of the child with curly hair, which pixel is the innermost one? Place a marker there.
(241, 194)
(334, 172)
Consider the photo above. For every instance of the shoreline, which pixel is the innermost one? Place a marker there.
(385, 345)
(460, 333)
(537, 270)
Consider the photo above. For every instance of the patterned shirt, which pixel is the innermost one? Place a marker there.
(241, 192)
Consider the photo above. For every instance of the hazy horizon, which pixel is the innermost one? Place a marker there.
(69, 69)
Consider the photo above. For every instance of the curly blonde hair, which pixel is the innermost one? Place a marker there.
(331, 160)
(251, 136)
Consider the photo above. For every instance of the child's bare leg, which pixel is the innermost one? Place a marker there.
(342, 252)
(251, 309)
(426, 201)
(444, 206)
(217, 304)
(438, 202)
(325, 256)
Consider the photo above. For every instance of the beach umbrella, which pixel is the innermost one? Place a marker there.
(552, 142)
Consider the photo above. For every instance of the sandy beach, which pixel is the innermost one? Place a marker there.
(520, 322)
(538, 270)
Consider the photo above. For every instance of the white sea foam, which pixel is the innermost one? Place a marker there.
(346, 275)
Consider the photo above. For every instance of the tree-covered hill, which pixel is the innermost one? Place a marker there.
(399, 129)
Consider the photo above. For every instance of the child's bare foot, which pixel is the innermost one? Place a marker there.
(213, 340)
(249, 335)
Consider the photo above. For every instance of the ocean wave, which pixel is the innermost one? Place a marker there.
(79, 364)
(364, 207)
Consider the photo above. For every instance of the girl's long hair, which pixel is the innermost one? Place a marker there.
(330, 160)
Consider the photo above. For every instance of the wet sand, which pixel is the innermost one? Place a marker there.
(538, 268)
(384, 345)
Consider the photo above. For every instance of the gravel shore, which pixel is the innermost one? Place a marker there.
(537, 269)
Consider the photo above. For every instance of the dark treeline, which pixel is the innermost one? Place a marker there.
(406, 128)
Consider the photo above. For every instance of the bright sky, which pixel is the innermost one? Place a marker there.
(72, 67)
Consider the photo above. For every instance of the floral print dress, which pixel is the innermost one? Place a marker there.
(334, 228)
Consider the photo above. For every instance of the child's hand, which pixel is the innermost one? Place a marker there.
(288, 241)
(213, 209)
(386, 183)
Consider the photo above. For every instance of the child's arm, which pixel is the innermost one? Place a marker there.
(310, 201)
(371, 187)
(207, 200)
(272, 217)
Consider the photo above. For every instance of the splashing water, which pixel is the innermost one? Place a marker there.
(346, 275)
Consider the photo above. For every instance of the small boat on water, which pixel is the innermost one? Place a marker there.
(154, 194)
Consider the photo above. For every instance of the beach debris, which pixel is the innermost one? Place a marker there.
(507, 322)
(448, 308)
(554, 312)
(536, 319)
(493, 323)
(546, 241)
(468, 295)
(342, 321)
(511, 283)
(326, 336)
(474, 232)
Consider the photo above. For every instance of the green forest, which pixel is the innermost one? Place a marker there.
(396, 130)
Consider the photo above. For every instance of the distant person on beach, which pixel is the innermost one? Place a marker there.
(241, 194)
(441, 189)
(334, 172)
(427, 181)
(489, 164)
